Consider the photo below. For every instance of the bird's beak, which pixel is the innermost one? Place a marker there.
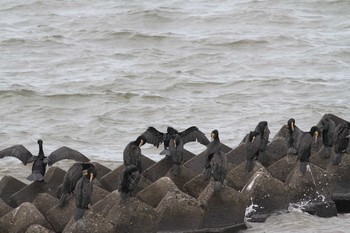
(212, 136)
(141, 143)
(292, 126)
(253, 139)
(175, 143)
(91, 177)
(316, 136)
(348, 136)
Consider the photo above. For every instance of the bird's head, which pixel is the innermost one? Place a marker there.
(214, 134)
(90, 173)
(40, 142)
(140, 141)
(315, 131)
(291, 124)
(252, 135)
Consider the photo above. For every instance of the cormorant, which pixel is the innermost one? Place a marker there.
(41, 161)
(327, 128)
(176, 147)
(73, 174)
(83, 192)
(292, 137)
(132, 153)
(304, 146)
(212, 148)
(264, 133)
(252, 145)
(340, 141)
(128, 180)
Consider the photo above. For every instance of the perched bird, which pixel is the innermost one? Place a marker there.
(176, 147)
(219, 169)
(190, 134)
(327, 128)
(83, 192)
(128, 180)
(212, 148)
(72, 176)
(340, 141)
(132, 153)
(264, 133)
(304, 146)
(252, 145)
(41, 161)
(292, 137)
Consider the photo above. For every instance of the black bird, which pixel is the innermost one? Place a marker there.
(176, 147)
(340, 141)
(327, 128)
(190, 134)
(72, 176)
(83, 192)
(292, 137)
(128, 180)
(304, 146)
(132, 153)
(41, 161)
(252, 145)
(212, 148)
(264, 133)
(219, 169)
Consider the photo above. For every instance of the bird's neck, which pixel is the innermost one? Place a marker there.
(41, 151)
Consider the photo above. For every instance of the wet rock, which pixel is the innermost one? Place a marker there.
(9, 186)
(91, 222)
(44, 202)
(128, 214)
(223, 209)
(276, 150)
(179, 212)
(155, 192)
(28, 193)
(325, 209)
(19, 219)
(340, 173)
(58, 217)
(195, 186)
(162, 167)
(283, 132)
(266, 194)
(35, 228)
(313, 185)
(237, 156)
(283, 167)
(53, 178)
(197, 163)
(238, 177)
(185, 175)
(100, 169)
(110, 181)
(318, 159)
(4, 208)
(98, 194)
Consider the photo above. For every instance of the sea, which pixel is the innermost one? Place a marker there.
(94, 75)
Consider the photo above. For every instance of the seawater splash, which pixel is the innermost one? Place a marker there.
(251, 209)
(298, 207)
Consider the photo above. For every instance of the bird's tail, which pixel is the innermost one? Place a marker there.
(250, 165)
(302, 167)
(262, 157)
(207, 173)
(326, 152)
(291, 151)
(336, 159)
(218, 186)
(176, 168)
(63, 199)
(35, 176)
(79, 213)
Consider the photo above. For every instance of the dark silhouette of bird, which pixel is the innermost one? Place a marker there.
(176, 149)
(304, 146)
(72, 176)
(128, 180)
(83, 192)
(340, 141)
(264, 133)
(190, 134)
(292, 137)
(40, 161)
(252, 145)
(327, 128)
(132, 153)
(212, 148)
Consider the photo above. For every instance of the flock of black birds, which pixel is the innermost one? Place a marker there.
(78, 178)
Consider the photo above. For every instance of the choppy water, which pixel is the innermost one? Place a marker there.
(93, 75)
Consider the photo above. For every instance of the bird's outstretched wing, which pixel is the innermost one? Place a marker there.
(153, 136)
(17, 151)
(193, 134)
(65, 153)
